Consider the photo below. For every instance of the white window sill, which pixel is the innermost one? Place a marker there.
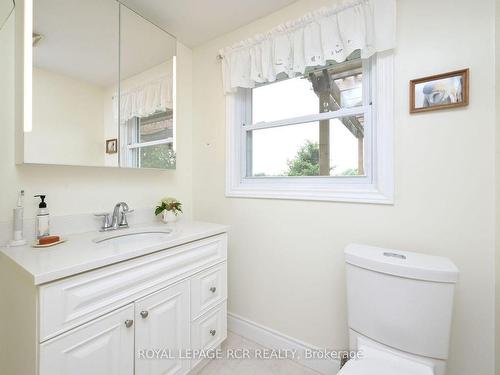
(352, 194)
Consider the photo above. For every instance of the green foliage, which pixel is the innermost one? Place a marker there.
(160, 156)
(169, 204)
(306, 162)
(350, 172)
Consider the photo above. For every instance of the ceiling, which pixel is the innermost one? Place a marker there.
(194, 22)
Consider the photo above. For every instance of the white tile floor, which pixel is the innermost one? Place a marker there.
(251, 366)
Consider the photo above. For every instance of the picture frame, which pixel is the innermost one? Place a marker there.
(112, 146)
(440, 91)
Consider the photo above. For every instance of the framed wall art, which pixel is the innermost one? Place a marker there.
(441, 91)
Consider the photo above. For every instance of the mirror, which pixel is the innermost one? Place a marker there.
(103, 87)
(74, 70)
(147, 123)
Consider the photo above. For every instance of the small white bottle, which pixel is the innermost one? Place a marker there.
(18, 238)
(42, 228)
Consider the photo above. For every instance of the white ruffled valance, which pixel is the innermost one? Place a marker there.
(329, 34)
(145, 100)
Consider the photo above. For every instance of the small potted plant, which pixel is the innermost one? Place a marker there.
(169, 208)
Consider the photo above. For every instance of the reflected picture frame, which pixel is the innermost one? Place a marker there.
(440, 91)
(111, 146)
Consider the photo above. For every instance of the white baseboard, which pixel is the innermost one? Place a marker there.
(272, 339)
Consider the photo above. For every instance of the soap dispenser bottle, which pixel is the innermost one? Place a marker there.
(42, 219)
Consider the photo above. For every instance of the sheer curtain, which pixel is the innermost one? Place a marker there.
(144, 100)
(329, 34)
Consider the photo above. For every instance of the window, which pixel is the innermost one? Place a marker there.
(325, 135)
(332, 146)
(150, 141)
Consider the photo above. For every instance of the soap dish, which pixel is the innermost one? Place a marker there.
(36, 245)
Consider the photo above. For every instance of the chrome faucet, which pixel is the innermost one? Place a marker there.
(118, 220)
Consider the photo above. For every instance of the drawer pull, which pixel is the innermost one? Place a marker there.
(213, 332)
(144, 314)
(213, 289)
(129, 323)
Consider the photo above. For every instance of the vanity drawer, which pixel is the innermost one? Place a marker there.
(209, 330)
(208, 289)
(103, 346)
(70, 302)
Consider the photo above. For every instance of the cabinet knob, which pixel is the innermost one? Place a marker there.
(213, 289)
(213, 332)
(144, 314)
(129, 323)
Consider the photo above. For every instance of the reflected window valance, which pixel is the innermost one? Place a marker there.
(145, 100)
(329, 34)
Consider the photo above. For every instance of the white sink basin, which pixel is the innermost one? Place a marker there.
(146, 235)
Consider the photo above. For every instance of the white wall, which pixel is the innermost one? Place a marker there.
(68, 124)
(286, 266)
(73, 190)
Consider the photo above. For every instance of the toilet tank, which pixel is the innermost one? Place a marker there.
(401, 299)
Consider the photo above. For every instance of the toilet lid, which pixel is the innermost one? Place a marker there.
(378, 366)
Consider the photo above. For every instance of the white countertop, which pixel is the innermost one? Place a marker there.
(81, 254)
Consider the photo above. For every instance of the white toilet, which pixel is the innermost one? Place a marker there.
(399, 311)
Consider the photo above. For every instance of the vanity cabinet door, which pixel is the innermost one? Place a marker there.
(162, 325)
(209, 330)
(104, 346)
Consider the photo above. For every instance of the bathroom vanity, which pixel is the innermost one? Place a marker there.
(103, 303)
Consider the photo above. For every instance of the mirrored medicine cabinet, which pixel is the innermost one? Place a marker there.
(97, 88)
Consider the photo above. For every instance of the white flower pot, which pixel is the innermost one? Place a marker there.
(168, 217)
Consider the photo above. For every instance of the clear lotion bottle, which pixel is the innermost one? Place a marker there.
(42, 219)
(18, 238)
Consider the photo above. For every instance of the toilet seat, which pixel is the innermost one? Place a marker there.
(378, 366)
(377, 361)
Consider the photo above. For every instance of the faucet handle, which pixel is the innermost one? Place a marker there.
(106, 223)
(123, 220)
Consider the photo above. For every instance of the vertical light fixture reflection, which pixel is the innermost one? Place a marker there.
(28, 66)
(174, 102)
(121, 148)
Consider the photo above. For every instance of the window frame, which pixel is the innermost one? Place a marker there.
(133, 148)
(376, 187)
